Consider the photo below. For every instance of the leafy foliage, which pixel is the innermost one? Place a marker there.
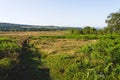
(113, 21)
(8, 44)
(98, 61)
(8, 56)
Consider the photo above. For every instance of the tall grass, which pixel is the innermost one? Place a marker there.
(86, 36)
(98, 61)
(8, 56)
(95, 61)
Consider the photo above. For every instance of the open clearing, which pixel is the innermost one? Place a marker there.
(50, 45)
(59, 46)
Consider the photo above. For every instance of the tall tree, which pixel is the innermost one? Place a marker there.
(89, 30)
(113, 21)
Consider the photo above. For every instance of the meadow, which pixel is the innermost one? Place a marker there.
(57, 55)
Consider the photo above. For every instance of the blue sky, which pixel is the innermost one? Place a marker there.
(58, 12)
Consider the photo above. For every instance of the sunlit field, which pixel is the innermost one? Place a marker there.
(58, 55)
(59, 40)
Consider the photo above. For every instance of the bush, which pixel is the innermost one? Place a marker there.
(106, 54)
(5, 63)
(8, 48)
(5, 67)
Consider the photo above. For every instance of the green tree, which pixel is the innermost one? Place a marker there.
(100, 31)
(108, 30)
(89, 30)
(75, 31)
(113, 21)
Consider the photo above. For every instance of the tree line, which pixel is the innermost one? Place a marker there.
(113, 26)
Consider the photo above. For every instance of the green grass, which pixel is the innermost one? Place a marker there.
(96, 61)
(77, 36)
(8, 44)
(5, 63)
(8, 56)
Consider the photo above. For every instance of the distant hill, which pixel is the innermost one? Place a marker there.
(23, 27)
(11, 26)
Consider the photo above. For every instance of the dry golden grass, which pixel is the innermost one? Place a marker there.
(50, 46)
(59, 46)
(25, 34)
(32, 33)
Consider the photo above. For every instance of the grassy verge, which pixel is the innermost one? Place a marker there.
(77, 36)
(94, 61)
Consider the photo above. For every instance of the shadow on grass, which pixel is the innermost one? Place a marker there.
(29, 67)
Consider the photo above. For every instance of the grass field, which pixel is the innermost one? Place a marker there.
(59, 46)
(56, 55)
(32, 33)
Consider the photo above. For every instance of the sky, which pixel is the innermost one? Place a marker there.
(73, 13)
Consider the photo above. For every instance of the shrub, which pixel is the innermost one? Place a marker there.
(5, 67)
